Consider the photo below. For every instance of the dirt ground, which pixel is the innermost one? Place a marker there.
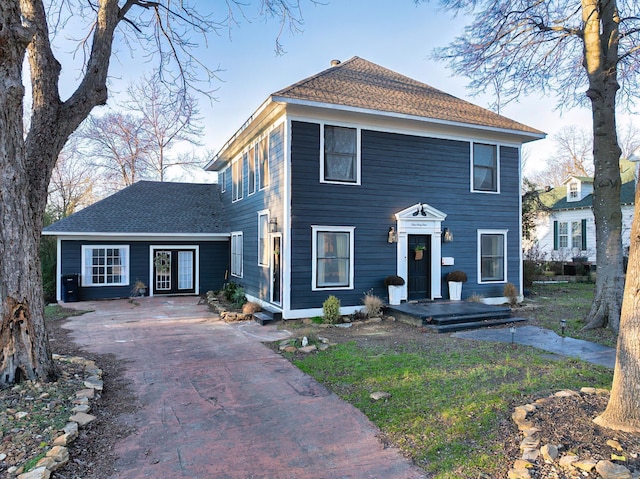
(566, 421)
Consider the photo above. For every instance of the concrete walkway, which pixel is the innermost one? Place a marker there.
(216, 403)
(546, 340)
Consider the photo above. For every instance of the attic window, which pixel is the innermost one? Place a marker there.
(340, 163)
(573, 191)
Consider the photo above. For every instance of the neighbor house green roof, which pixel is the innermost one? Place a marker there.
(359, 83)
(556, 198)
(150, 207)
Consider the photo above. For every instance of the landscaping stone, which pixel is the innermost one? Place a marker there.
(82, 418)
(609, 470)
(549, 452)
(37, 473)
(378, 395)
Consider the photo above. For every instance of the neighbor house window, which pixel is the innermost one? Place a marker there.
(236, 255)
(576, 234)
(105, 265)
(340, 163)
(563, 235)
(251, 176)
(263, 162)
(332, 257)
(263, 240)
(485, 167)
(573, 190)
(492, 256)
(236, 173)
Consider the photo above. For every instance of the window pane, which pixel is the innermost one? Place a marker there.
(485, 167)
(333, 260)
(185, 270)
(492, 257)
(263, 161)
(251, 179)
(340, 154)
(263, 255)
(576, 234)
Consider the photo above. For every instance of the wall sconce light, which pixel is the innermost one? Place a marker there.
(393, 235)
(447, 235)
(273, 225)
(420, 210)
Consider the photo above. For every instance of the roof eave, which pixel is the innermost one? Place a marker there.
(137, 235)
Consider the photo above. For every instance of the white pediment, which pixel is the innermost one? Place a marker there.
(421, 211)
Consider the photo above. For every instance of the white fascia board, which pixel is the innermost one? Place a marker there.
(138, 236)
(527, 136)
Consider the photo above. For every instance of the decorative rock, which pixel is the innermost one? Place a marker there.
(568, 460)
(529, 431)
(614, 444)
(587, 390)
(323, 347)
(37, 473)
(86, 393)
(48, 462)
(529, 407)
(305, 342)
(609, 470)
(585, 465)
(21, 414)
(3, 457)
(94, 382)
(82, 419)
(522, 464)
(344, 325)
(519, 474)
(290, 349)
(308, 349)
(519, 414)
(549, 452)
(529, 443)
(81, 408)
(531, 454)
(378, 395)
(374, 320)
(566, 393)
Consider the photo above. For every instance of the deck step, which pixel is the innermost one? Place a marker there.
(266, 316)
(453, 327)
(465, 318)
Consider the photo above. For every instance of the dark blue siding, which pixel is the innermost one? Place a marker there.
(242, 216)
(397, 171)
(214, 261)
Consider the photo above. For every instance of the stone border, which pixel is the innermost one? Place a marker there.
(58, 455)
(532, 452)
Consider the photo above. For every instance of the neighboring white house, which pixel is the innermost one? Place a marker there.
(569, 230)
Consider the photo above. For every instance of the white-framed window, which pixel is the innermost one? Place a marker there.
(236, 254)
(573, 190)
(485, 169)
(340, 158)
(332, 249)
(563, 234)
(263, 162)
(492, 256)
(237, 179)
(576, 234)
(263, 238)
(105, 265)
(222, 180)
(251, 175)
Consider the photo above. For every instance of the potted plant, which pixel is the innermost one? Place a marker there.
(394, 284)
(139, 288)
(419, 251)
(455, 280)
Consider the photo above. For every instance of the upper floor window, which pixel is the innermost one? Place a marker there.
(252, 159)
(492, 256)
(222, 180)
(332, 257)
(237, 178)
(263, 162)
(340, 163)
(573, 191)
(263, 239)
(485, 168)
(105, 265)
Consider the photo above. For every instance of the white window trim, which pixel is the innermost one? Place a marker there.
(358, 154)
(266, 238)
(479, 253)
(566, 235)
(223, 184)
(267, 139)
(86, 279)
(237, 234)
(252, 161)
(240, 193)
(314, 255)
(471, 178)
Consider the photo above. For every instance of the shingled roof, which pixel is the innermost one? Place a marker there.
(556, 199)
(150, 207)
(359, 83)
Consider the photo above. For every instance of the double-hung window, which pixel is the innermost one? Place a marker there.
(563, 235)
(263, 239)
(105, 265)
(576, 234)
(340, 162)
(236, 254)
(332, 248)
(222, 180)
(237, 174)
(263, 162)
(251, 176)
(492, 256)
(485, 168)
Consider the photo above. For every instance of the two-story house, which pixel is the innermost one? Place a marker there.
(336, 182)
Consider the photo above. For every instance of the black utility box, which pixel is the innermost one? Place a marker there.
(71, 288)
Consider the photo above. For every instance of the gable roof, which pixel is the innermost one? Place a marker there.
(556, 198)
(359, 83)
(150, 207)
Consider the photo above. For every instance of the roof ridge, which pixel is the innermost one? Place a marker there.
(316, 75)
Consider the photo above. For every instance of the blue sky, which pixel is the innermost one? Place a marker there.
(395, 34)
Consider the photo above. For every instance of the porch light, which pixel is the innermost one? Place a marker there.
(447, 235)
(392, 237)
(273, 225)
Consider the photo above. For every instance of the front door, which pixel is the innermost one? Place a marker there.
(174, 271)
(419, 267)
(276, 269)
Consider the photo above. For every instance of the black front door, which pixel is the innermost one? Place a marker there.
(419, 267)
(174, 271)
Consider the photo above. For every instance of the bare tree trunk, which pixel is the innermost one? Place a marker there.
(622, 412)
(24, 345)
(600, 60)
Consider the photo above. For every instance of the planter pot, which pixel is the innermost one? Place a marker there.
(455, 290)
(419, 254)
(395, 295)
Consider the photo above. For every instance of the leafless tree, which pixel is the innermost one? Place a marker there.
(164, 31)
(169, 120)
(119, 147)
(72, 181)
(567, 48)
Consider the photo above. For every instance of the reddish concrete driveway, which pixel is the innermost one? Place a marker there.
(216, 403)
